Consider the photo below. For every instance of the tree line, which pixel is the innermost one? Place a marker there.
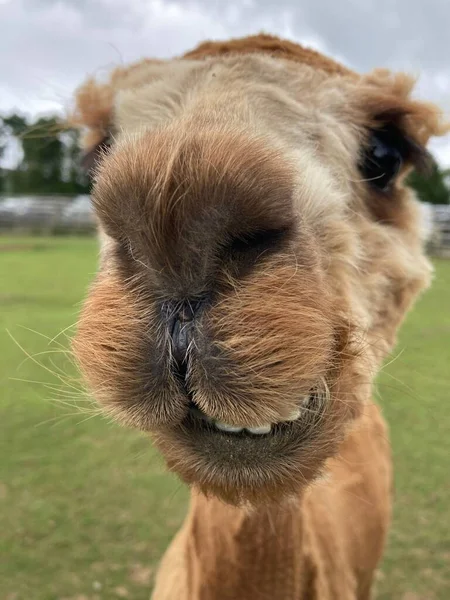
(48, 157)
(50, 162)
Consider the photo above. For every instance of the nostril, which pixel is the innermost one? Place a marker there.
(180, 320)
(179, 370)
(181, 336)
(180, 339)
(184, 310)
(185, 313)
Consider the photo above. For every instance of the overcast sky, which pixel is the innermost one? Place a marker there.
(47, 47)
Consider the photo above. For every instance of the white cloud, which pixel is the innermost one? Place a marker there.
(46, 51)
(440, 148)
(47, 47)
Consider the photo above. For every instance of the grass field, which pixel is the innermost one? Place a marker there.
(86, 506)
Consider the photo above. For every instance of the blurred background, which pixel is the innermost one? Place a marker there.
(86, 507)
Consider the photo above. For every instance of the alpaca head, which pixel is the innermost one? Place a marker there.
(259, 250)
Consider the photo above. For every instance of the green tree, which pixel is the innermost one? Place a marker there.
(50, 157)
(3, 138)
(432, 187)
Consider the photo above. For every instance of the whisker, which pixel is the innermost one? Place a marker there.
(61, 333)
(48, 338)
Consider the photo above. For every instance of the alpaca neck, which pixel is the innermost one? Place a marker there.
(325, 543)
(245, 553)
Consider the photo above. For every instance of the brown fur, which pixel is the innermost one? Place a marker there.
(324, 545)
(255, 137)
(272, 45)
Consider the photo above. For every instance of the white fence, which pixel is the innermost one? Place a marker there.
(46, 214)
(438, 217)
(53, 214)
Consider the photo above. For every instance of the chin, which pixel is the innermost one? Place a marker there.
(253, 464)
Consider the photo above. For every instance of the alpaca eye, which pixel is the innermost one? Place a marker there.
(383, 159)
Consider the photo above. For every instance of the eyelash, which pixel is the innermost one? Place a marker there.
(259, 240)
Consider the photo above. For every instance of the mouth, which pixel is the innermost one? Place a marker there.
(197, 418)
(231, 446)
(240, 463)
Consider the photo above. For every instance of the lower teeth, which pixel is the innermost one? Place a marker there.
(261, 430)
(228, 428)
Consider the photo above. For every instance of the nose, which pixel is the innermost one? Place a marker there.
(181, 328)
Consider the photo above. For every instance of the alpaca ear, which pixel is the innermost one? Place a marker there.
(91, 157)
(397, 125)
(93, 115)
(387, 98)
(93, 111)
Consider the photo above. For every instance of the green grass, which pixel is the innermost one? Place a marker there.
(86, 508)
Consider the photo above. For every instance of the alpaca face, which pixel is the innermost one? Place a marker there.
(259, 252)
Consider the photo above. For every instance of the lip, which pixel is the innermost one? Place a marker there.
(200, 429)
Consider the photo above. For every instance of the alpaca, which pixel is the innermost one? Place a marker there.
(259, 250)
